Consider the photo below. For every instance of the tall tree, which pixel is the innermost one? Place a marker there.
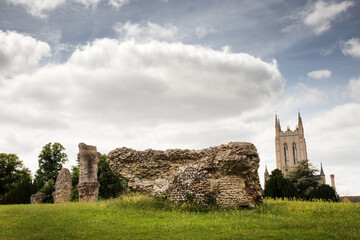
(12, 172)
(51, 158)
(304, 179)
(279, 187)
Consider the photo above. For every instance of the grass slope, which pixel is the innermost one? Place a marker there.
(143, 217)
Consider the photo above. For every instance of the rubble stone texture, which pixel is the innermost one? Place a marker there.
(88, 186)
(37, 198)
(227, 173)
(63, 187)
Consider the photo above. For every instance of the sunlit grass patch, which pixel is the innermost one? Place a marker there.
(137, 216)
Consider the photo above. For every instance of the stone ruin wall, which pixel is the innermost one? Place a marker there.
(227, 173)
(88, 187)
(63, 187)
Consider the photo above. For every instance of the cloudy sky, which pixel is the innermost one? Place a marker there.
(182, 74)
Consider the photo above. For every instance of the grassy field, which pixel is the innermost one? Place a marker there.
(142, 217)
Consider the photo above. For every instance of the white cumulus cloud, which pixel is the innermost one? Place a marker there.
(155, 79)
(351, 47)
(319, 74)
(20, 53)
(321, 13)
(146, 31)
(333, 137)
(112, 93)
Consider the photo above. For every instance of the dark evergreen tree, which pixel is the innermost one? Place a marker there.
(324, 192)
(279, 187)
(51, 158)
(304, 179)
(276, 172)
(110, 185)
(21, 193)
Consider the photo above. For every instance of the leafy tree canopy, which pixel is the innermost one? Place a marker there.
(48, 189)
(12, 172)
(51, 158)
(110, 184)
(304, 179)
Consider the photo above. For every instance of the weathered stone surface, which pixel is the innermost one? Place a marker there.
(88, 187)
(227, 173)
(37, 198)
(63, 187)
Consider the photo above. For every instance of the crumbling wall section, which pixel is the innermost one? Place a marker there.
(88, 187)
(63, 187)
(226, 174)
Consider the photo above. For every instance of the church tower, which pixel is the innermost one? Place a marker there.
(290, 146)
(266, 176)
(322, 175)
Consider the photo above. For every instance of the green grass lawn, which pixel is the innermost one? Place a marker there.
(142, 217)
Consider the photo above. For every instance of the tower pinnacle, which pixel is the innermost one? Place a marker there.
(299, 119)
(277, 124)
(300, 124)
(266, 176)
(322, 170)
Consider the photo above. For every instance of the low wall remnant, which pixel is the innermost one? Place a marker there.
(226, 174)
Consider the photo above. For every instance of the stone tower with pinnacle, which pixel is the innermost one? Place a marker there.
(322, 176)
(290, 146)
(266, 176)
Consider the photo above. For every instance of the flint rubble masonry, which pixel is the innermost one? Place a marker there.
(63, 187)
(227, 173)
(88, 186)
(37, 198)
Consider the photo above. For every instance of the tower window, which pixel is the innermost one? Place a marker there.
(294, 153)
(286, 154)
